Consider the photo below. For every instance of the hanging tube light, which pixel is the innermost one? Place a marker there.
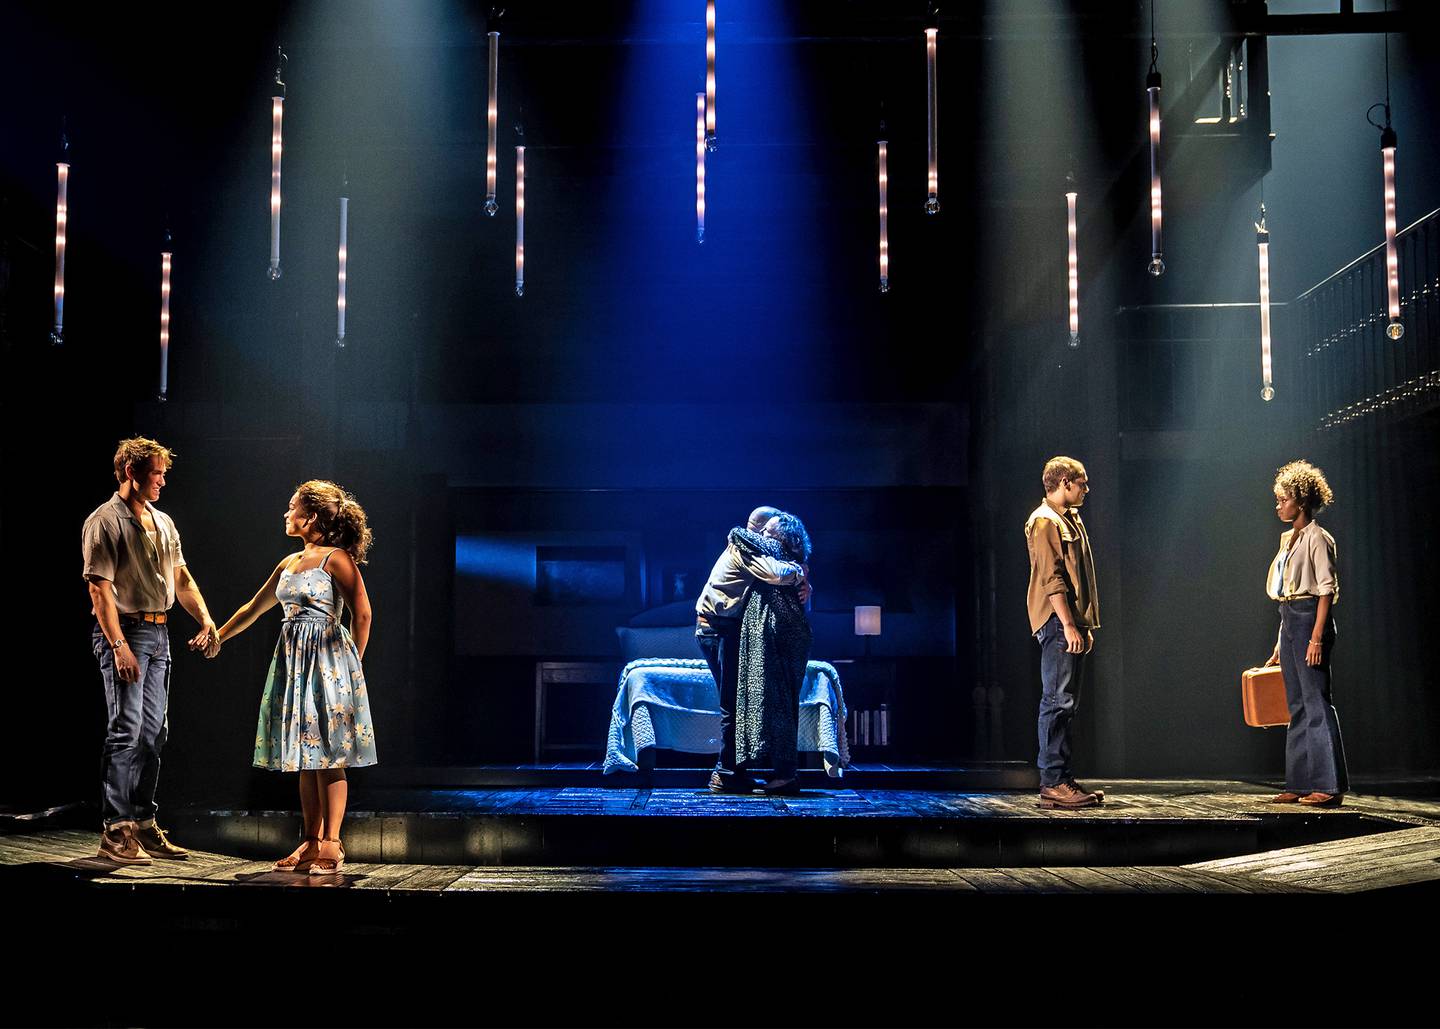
(1262, 245)
(1157, 250)
(710, 140)
(932, 184)
(1156, 266)
(1388, 141)
(520, 221)
(884, 184)
(62, 221)
(492, 113)
(277, 116)
(343, 263)
(165, 258)
(1074, 268)
(700, 167)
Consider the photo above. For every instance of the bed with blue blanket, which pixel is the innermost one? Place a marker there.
(673, 703)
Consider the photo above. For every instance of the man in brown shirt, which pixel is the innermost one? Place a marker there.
(1064, 613)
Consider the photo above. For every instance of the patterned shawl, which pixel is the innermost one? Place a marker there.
(774, 649)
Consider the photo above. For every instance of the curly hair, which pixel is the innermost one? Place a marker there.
(139, 452)
(1305, 484)
(1058, 469)
(339, 519)
(793, 538)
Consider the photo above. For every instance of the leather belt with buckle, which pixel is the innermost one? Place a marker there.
(154, 617)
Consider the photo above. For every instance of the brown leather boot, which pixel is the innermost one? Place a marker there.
(156, 844)
(1064, 795)
(119, 844)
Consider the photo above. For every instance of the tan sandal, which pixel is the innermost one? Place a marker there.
(323, 865)
(294, 862)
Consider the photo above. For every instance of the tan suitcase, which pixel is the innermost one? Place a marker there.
(1262, 694)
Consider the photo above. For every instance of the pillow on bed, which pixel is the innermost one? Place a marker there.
(681, 612)
(672, 641)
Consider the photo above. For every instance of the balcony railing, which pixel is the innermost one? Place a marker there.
(1350, 370)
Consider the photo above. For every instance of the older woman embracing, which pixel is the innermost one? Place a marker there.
(774, 651)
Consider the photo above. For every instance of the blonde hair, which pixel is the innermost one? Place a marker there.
(1058, 469)
(339, 519)
(137, 451)
(1305, 484)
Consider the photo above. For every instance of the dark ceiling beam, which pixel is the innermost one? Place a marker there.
(1365, 23)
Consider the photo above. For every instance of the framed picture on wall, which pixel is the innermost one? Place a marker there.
(680, 582)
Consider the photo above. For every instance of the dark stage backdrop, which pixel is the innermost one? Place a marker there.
(642, 373)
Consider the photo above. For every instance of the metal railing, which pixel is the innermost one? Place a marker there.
(1350, 370)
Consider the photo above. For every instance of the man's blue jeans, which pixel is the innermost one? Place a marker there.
(136, 724)
(1059, 697)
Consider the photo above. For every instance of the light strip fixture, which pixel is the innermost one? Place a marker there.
(277, 117)
(1262, 245)
(884, 184)
(62, 222)
(492, 114)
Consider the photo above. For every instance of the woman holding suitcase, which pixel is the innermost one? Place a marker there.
(1303, 579)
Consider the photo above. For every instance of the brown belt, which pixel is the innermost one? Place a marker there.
(154, 617)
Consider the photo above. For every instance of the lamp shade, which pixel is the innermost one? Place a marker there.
(867, 621)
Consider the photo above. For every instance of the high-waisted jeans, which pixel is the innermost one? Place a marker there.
(1314, 755)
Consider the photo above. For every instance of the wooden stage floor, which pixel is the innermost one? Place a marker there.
(1387, 842)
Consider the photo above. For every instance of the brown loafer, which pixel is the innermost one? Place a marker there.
(1285, 798)
(1322, 799)
(1064, 795)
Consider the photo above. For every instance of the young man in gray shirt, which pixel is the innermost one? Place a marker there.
(136, 570)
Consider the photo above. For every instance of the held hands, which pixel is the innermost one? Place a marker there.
(207, 641)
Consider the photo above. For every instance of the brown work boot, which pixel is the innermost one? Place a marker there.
(153, 839)
(1099, 794)
(119, 844)
(1065, 795)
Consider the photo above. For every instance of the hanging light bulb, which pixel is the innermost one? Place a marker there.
(1388, 140)
(343, 264)
(1262, 244)
(165, 257)
(700, 167)
(710, 141)
(932, 185)
(277, 115)
(520, 221)
(884, 183)
(1074, 268)
(62, 220)
(492, 206)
